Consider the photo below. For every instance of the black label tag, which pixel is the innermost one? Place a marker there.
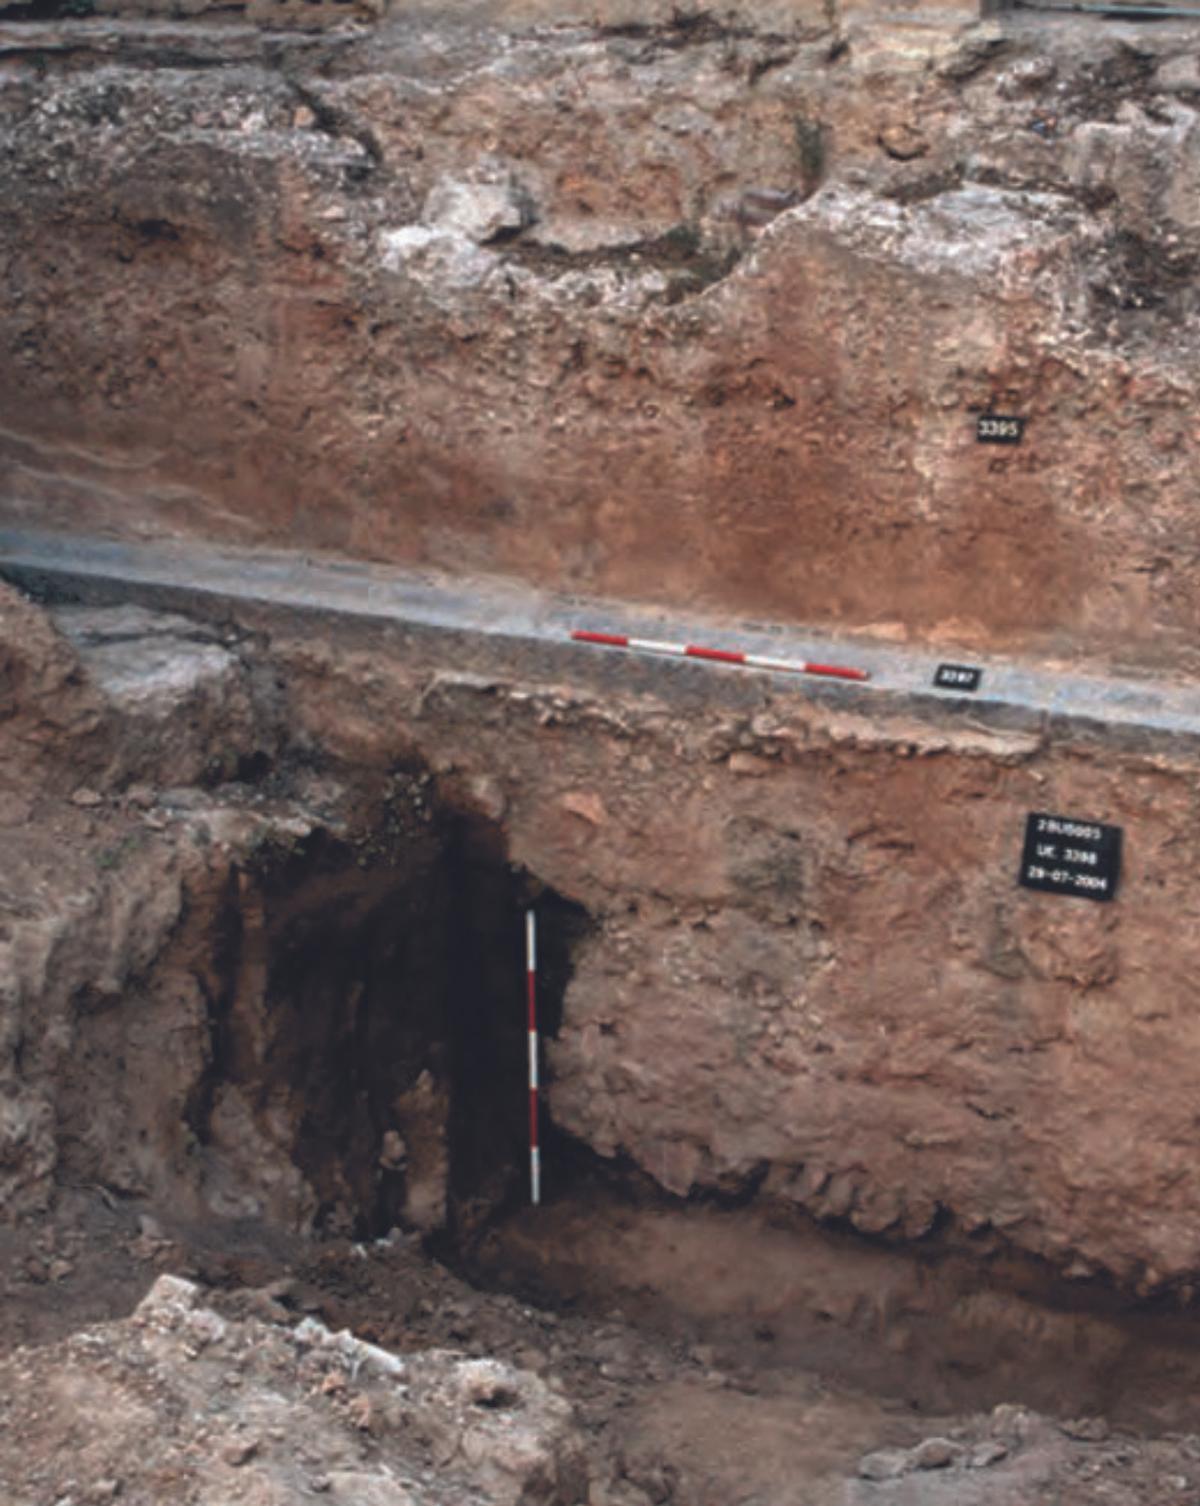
(958, 677)
(1066, 856)
(999, 428)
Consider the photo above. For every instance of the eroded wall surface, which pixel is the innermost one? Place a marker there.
(695, 308)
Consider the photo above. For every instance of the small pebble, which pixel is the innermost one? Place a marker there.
(1086, 1429)
(240, 1450)
(884, 1464)
(935, 1453)
(989, 1452)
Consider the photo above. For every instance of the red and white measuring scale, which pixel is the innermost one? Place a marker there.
(535, 1153)
(721, 655)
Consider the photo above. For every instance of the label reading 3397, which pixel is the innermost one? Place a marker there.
(964, 677)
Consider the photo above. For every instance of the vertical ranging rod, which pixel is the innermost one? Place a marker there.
(535, 1155)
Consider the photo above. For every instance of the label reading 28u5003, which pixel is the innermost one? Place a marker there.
(999, 428)
(1066, 856)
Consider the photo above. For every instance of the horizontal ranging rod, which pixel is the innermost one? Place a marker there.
(721, 655)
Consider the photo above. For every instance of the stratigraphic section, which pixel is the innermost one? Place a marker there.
(811, 975)
(690, 308)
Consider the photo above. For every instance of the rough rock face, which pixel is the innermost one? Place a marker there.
(127, 1410)
(171, 996)
(692, 306)
(51, 718)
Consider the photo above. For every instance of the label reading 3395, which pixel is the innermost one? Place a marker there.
(999, 428)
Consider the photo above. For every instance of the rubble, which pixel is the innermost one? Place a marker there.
(178, 1398)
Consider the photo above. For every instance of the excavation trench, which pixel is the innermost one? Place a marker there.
(366, 1024)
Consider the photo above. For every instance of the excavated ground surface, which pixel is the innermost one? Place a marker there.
(657, 1413)
(644, 1401)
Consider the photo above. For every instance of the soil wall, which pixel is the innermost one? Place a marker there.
(699, 308)
(810, 975)
(786, 955)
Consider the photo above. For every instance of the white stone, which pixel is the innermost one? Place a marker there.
(479, 211)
